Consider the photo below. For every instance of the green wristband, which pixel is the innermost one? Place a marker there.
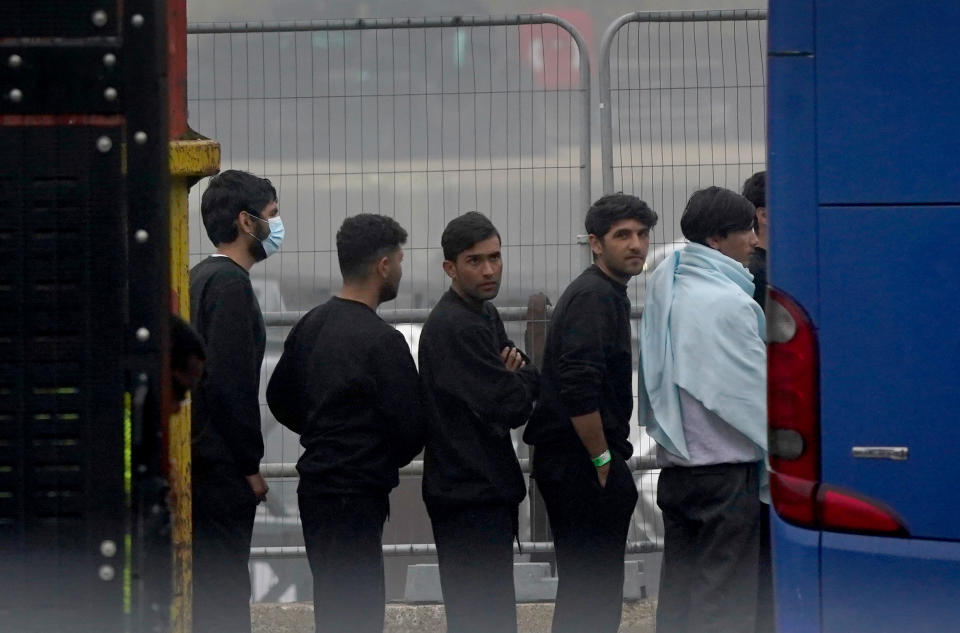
(602, 459)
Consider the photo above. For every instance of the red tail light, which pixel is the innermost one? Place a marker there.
(793, 408)
(848, 511)
(793, 411)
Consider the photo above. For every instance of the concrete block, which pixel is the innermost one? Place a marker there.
(423, 584)
(634, 587)
(532, 582)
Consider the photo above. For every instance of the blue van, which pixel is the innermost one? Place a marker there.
(863, 319)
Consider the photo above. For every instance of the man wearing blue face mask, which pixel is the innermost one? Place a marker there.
(241, 218)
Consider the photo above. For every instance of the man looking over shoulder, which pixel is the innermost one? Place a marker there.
(241, 218)
(477, 386)
(581, 423)
(346, 382)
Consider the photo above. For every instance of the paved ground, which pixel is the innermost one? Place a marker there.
(297, 617)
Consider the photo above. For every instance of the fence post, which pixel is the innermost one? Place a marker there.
(189, 161)
(534, 340)
(606, 113)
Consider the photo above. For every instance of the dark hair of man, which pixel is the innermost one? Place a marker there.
(228, 194)
(755, 190)
(464, 231)
(185, 343)
(715, 211)
(612, 208)
(363, 239)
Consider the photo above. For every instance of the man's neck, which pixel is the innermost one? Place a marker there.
(365, 293)
(239, 252)
(606, 271)
(476, 304)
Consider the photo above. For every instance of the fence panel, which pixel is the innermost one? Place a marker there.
(420, 120)
(682, 107)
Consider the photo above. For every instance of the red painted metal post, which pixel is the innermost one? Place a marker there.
(177, 66)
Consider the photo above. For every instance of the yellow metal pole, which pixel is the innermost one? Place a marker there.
(190, 160)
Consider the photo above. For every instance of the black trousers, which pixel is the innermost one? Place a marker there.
(223, 511)
(344, 536)
(709, 580)
(589, 526)
(475, 553)
(765, 620)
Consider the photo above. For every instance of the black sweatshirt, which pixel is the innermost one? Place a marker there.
(347, 384)
(226, 407)
(758, 267)
(586, 365)
(472, 402)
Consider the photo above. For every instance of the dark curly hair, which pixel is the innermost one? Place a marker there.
(365, 238)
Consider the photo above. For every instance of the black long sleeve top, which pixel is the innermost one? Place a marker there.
(472, 402)
(758, 267)
(226, 407)
(586, 364)
(346, 382)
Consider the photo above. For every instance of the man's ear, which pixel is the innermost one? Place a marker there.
(713, 242)
(762, 215)
(246, 223)
(450, 268)
(383, 267)
(596, 245)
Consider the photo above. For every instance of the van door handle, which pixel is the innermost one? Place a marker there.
(896, 453)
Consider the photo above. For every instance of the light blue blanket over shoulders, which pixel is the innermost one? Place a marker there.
(702, 331)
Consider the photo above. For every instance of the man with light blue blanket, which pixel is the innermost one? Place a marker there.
(702, 397)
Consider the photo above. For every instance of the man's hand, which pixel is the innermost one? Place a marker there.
(259, 487)
(602, 474)
(512, 359)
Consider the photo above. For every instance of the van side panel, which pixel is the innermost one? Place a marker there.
(889, 585)
(890, 358)
(796, 577)
(871, 108)
(792, 194)
(888, 85)
(790, 27)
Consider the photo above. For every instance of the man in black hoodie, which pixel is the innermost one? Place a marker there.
(346, 382)
(240, 215)
(580, 427)
(477, 386)
(755, 190)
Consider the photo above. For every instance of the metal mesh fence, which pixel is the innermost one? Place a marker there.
(420, 120)
(683, 99)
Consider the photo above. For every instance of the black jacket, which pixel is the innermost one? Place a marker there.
(226, 406)
(587, 365)
(472, 402)
(347, 384)
(758, 267)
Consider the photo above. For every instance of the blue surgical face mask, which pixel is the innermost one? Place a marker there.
(272, 242)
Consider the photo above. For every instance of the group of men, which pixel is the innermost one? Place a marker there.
(348, 385)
